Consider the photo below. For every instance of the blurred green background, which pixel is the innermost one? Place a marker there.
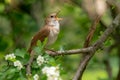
(21, 19)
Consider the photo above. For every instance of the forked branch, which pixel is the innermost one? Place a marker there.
(96, 46)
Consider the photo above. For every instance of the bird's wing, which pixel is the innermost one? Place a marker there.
(41, 35)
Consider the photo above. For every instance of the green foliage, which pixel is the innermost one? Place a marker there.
(24, 57)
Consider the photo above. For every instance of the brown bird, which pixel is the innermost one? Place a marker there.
(50, 30)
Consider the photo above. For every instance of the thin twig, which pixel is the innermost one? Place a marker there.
(28, 66)
(91, 31)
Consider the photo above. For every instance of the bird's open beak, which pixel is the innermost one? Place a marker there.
(57, 17)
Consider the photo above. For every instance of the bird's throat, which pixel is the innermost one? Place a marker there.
(55, 24)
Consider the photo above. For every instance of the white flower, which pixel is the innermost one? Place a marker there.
(18, 65)
(52, 73)
(44, 70)
(10, 57)
(40, 60)
(52, 78)
(36, 77)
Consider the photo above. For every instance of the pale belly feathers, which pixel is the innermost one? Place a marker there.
(52, 36)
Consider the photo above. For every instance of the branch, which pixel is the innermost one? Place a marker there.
(96, 46)
(28, 66)
(69, 52)
(91, 31)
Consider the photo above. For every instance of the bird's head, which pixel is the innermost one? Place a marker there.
(53, 18)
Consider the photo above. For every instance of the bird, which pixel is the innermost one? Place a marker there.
(50, 30)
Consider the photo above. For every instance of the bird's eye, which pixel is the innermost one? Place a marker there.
(51, 16)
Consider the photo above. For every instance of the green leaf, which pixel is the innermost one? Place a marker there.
(26, 58)
(35, 65)
(107, 42)
(20, 53)
(38, 50)
(22, 77)
(42, 45)
(52, 62)
(39, 43)
(45, 42)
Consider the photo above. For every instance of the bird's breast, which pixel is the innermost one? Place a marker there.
(52, 36)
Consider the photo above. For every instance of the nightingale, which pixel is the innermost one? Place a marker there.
(50, 30)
